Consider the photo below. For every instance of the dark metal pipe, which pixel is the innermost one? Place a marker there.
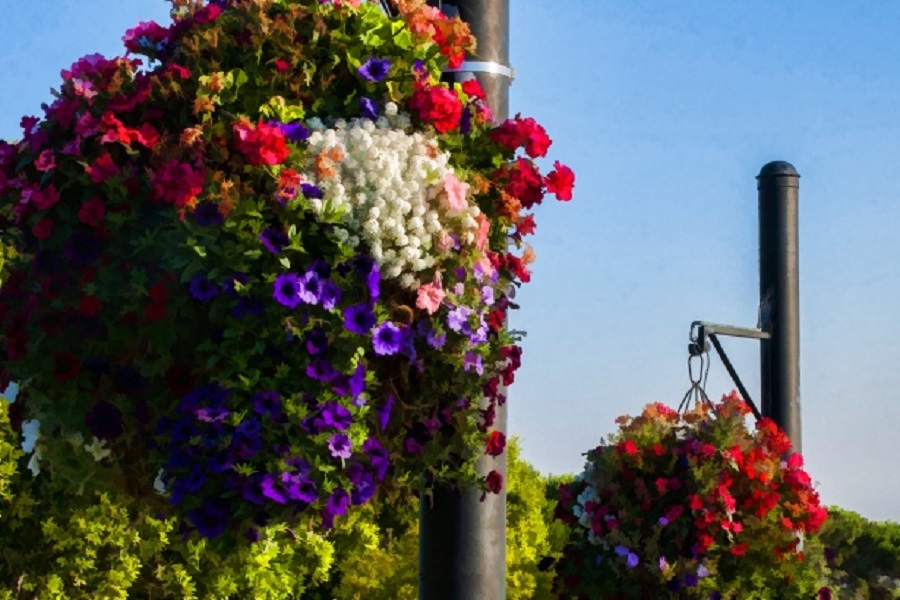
(462, 538)
(779, 292)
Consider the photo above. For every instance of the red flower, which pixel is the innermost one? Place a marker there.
(89, 306)
(178, 183)
(560, 181)
(496, 442)
(263, 144)
(524, 182)
(627, 447)
(282, 65)
(473, 89)
(526, 225)
(438, 106)
(42, 229)
(102, 168)
(155, 311)
(739, 549)
(159, 293)
(42, 199)
(494, 482)
(92, 212)
(66, 366)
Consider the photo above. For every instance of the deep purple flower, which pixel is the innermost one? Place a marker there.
(340, 446)
(211, 519)
(271, 489)
(267, 401)
(245, 442)
(330, 294)
(274, 239)
(363, 489)
(674, 585)
(312, 191)
(632, 560)
(104, 421)
(335, 415)
(207, 214)
(388, 339)
(287, 290)
(358, 384)
(310, 288)
(359, 318)
(412, 446)
(83, 249)
(321, 267)
(251, 491)
(203, 289)
(378, 456)
(436, 340)
(369, 108)
(384, 413)
(473, 361)
(298, 487)
(321, 370)
(715, 595)
(316, 342)
(368, 269)
(375, 69)
(691, 580)
(465, 121)
(294, 131)
(337, 503)
(247, 306)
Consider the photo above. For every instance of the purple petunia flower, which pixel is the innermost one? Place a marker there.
(207, 214)
(271, 489)
(298, 487)
(273, 239)
(378, 456)
(267, 401)
(310, 287)
(374, 69)
(359, 318)
(321, 370)
(702, 571)
(691, 580)
(384, 413)
(369, 108)
(330, 294)
(358, 385)
(458, 318)
(465, 121)
(211, 519)
(202, 288)
(335, 415)
(473, 361)
(311, 191)
(316, 342)
(621, 550)
(287, 290)
(340, 446)
(363, 487)
(388, 339)
(294, 131)
(632, 560)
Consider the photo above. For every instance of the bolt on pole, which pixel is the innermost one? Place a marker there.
(462, 538)
(779, 293)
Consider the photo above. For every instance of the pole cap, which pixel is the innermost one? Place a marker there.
(778, 168)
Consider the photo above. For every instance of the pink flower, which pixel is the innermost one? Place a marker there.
(178, 183)
(263, 144)
(445, 241)
(102, 168)
(45, 161)
(456, 193)
(484, 226)
(560, 181)
(430, 296)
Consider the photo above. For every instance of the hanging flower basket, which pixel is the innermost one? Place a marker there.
(692, 505)
(263, 272)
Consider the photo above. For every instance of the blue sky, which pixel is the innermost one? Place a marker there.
(666, 111)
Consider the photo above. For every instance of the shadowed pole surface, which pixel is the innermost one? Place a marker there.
(462, 540)
(779, 293)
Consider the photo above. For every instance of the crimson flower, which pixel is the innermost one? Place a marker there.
(560, 181)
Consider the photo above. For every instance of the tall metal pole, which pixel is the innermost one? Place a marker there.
(779, 293)
(462, 538)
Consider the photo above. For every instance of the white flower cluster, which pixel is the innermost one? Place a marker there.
(401, 197)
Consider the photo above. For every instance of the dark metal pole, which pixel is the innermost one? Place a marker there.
(462, 538)
(779, 292)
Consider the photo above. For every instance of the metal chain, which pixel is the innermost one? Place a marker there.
(697, 392)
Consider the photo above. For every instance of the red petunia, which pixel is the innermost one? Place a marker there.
(494, 482)
(282, 65)
(496, 442)
(42, 229)
(92, 212)
(473, 89)
(262, 144)
(178, 183)
(437, 105)
(560, 181)
(89, 306)
(155, 311)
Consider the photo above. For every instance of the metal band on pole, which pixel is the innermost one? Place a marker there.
(479, 66)
(779, 294)
(462, 538)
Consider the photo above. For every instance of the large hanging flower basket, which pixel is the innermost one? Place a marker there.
(692, 505)
(263, 272)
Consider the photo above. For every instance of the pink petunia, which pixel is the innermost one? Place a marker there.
(456, 193)
(430, 296)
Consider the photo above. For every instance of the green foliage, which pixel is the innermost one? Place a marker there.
(864, 555)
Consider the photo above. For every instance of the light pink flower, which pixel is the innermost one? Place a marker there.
(456, 193)
(430, 296)
(484, 226)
